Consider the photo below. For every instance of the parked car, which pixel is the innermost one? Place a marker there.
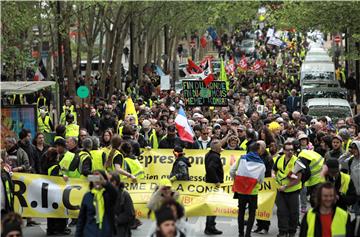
(334, 108)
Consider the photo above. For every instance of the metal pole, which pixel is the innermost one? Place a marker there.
(60, 78)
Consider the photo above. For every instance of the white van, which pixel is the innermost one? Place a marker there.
(311, 71)
(334, 108)
(318, 58)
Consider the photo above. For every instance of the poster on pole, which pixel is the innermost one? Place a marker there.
(165, 82)
(197, 94)
(16, 117)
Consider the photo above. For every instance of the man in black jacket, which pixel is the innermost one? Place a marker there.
(214, 174)
(25, 144)
(180, 169)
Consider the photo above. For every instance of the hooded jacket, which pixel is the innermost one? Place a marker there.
(354, 168)
(180, 169)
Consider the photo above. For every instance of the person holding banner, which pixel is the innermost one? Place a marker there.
(55, 226)
(96, 212)
(214, 174)
(180, 169)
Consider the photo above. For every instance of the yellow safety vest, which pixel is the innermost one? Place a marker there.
(107, 150)
(112, 168)
(57, 138)
(65, 165)
(316, 164)
(346, 145)
(153, 139)
(243, 145)
(345, 181)
(38, 101)
(9, 193)
(283, 172)
(338, 224)
(44, 125)
(63, 118)
(21, 98)
(134, 166)
(72, 130)
(71, 108)
(97, 159)
(50, 170)
(83, 156)
(119, 130)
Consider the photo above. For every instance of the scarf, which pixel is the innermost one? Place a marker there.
(99, 205)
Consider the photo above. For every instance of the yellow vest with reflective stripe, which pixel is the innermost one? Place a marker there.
(135, 167)
(57, 138)
(65, 165)
(338, 224)
(44, 125)
(107, 150)
(112, 168)
(243, 145)
(283, 172)
(345, 181)
(9, 193)
(316, 164)
(97, 161)
(153, 139)
(52, 168)
(38, 101)
(83, 156)
(72, 130)
(346, 145)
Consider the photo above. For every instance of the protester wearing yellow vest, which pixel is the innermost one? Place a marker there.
(342, 182)
(114, 161)
(68, 160)
(55, 225)
(287, 199)
(8, 186)
(314, 162)
(72, 129)
(149, 134)
(325, 219)
(85, 162)
(130, 163)
(98, 156)
(44, 122)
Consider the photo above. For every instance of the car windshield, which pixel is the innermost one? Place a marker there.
(323, 94)
(319, 76)
(334, 112)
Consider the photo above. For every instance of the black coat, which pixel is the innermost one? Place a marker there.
(180, 169)
(34, 160)
(124, 214)
(214, 168)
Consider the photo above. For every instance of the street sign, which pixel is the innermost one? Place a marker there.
(337, 39)
(82, 92)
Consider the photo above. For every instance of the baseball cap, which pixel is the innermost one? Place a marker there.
(165, 182)
(216, 126)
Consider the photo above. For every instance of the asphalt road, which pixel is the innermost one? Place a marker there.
(226, 224)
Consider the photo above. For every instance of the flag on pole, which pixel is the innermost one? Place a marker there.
(243, 64)
(257, 65)
(40, 73)
(183, 127)
(223, 76)
(192, 68)
(130, 109)
(207, 75)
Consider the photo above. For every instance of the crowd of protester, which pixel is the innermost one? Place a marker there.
(263, 118)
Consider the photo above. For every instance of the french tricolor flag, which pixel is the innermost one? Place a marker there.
(250, 171)
(183, 127)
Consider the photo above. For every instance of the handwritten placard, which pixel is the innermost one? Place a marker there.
(197, 94)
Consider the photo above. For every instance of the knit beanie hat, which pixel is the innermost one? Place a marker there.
(164, 214)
